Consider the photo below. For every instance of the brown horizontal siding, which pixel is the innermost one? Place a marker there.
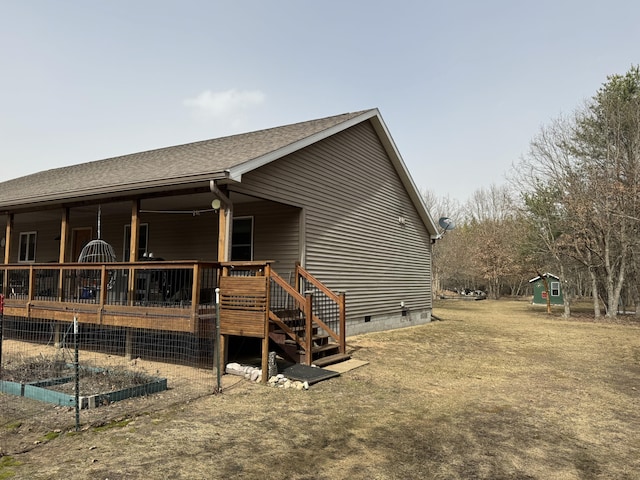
(183, 236)
(47, 249)
(276, 233)
(353, 198)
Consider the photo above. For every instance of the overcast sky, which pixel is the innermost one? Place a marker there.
(463, 86)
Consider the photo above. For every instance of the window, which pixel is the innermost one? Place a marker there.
(143, 241)
(27, 251)
(555, 289)
(242, 239)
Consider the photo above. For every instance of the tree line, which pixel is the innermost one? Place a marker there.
(571, 206)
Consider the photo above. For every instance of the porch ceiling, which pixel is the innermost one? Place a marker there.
(186, 202)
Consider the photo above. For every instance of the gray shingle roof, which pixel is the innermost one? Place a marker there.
(168, 165)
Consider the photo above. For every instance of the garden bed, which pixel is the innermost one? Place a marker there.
(53, 381)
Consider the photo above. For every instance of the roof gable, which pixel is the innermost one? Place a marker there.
(545, 275)
(225, 157)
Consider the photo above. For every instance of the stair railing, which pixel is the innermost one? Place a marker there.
(328, 307)
(285, 300)
(299, 311)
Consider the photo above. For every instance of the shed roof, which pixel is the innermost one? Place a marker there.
(546, 275)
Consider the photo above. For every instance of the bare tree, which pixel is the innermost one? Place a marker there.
(541, 177)
(445, 266)
(607, 144)
(495, 228)
(580, 183)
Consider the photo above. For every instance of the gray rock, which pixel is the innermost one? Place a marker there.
(234, 369)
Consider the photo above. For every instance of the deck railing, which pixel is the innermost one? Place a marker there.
(125, 289)
(167, 284)
(179, 296)
(297, 314)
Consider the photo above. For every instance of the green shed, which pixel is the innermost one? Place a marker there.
(540, 293)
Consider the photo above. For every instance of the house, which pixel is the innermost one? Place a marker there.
(328, 204)
(553, 287)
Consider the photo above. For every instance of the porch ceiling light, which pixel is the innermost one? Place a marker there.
(220, 197)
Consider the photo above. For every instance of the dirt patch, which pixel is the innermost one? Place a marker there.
(92, 380)
(495, 390)
(24, 370)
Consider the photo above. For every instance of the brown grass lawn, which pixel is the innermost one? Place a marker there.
(496, 390)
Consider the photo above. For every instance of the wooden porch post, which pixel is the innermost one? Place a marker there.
(64, 231)
(195, 295)
(133, 247)
(225, 215)
(265, 339)
(224, 233)
(62, 255)
(135, 227)
(7, 250)
(133, 257)
(62, 250)
(7, 238)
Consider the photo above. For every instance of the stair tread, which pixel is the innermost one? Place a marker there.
(331, 359)
(288, 314)
(324, 348)
(296, 324)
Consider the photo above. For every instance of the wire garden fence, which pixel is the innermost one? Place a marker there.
(70, 373)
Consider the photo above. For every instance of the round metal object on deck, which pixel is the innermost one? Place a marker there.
(97, 251)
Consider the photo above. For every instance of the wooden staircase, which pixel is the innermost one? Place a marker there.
(307, 327)
(324, 349)
(304, 321)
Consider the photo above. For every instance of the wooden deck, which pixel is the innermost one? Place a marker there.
(167, 296)
(174, 296)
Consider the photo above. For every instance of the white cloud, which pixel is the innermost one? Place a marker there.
(228, 105)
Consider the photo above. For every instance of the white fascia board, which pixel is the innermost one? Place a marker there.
(235, 173)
